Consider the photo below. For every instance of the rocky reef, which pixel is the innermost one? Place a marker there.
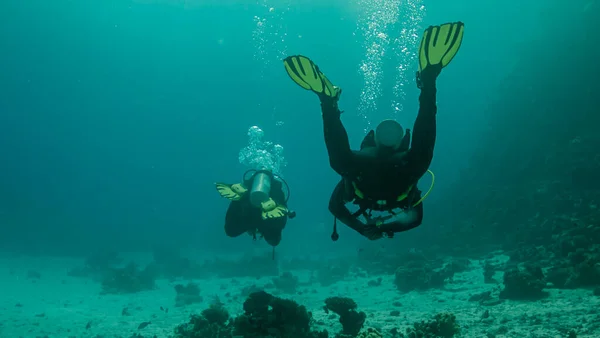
(443, 325)
(524, 283)
(264, 316)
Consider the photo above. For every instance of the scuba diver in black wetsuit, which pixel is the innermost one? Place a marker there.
(382, 176)
(258, 206)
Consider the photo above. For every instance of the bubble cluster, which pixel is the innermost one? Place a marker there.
(406, 48)
(375, 23)
(270, 33)
(261, 154)
(269, 37)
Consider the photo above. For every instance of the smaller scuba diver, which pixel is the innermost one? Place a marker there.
(381, 178)
(258, 206)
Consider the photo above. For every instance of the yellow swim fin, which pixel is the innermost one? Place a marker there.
(232, 192)
(440, 44)
(270, 209)
(308, 76)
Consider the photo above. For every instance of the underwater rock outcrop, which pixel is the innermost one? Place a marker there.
(580, 269)
(456, 265)
(351, 320)
(416, 272)
(419, 276)
(524, 283)
(488, 273)
(487, 298)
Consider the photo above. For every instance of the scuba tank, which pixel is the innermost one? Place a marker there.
(261, 188)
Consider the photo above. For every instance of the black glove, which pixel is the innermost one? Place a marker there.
(372, 232)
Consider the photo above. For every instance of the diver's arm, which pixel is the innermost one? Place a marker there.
(277, 193)
(279, 196)
(399, 226)
(424, 133)
(396, 227)
(336, 138)
(405, 144)
(338, 209)
(340, 212)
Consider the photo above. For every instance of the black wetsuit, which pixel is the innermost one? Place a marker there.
(378, 176)
(243, 217)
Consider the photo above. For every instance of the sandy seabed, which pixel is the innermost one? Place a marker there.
(54, 304)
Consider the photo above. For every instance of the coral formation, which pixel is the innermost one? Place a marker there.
(187, 294)
(216, 313)
(212, 323)
(443, 325)
(416, 272)
(419, 276)
(266, 315)
(524, 283)
(370, 333)
(351, 320)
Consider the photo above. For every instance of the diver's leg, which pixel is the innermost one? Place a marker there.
(424, 132)
(235, 220)
(336, 137)
(271, 230)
